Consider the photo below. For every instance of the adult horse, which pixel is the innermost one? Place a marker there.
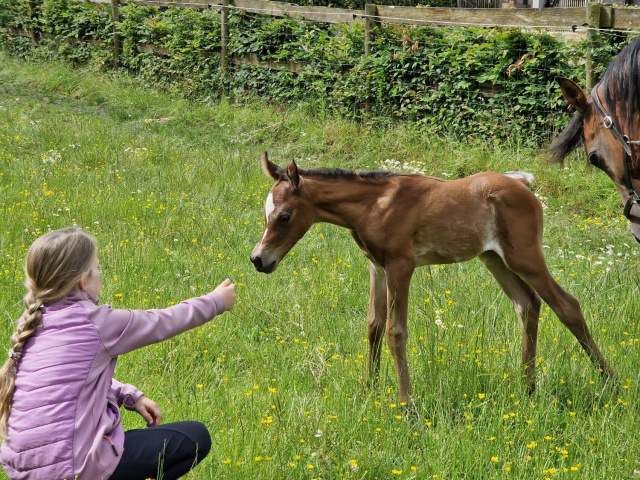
(607, 122)
(401, 222)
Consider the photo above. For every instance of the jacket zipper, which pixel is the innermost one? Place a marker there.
(112, 445)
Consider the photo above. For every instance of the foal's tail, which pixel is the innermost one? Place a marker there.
(524, 177)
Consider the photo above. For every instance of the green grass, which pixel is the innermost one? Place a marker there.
(174, 194)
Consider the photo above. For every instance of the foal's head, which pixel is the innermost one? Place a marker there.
(288, 216)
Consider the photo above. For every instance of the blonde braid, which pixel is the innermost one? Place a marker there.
(32, 316)
(54, 266)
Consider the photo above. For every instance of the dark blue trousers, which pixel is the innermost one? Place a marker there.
(165, 452)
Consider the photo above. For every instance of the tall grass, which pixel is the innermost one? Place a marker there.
(174, 194)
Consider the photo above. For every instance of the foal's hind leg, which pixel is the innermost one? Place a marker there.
(526, 303)
(532, 268)
(376, 318)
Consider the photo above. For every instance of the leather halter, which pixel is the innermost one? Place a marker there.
(609, 124)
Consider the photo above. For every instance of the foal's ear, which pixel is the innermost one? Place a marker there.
(292, 173)
(269, 168)
(573, 93)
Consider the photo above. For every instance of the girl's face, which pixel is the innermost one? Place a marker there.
(92, 281)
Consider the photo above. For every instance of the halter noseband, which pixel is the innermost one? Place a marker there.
(608, 123)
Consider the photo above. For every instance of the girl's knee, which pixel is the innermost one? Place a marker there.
(201, 437)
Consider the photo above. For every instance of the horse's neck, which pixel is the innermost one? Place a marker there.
(343, 201)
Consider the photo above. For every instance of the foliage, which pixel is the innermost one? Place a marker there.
(486, 83)
(188, 40)
(439, 83)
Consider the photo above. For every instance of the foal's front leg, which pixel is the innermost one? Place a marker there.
(376, 318)
(399, 273)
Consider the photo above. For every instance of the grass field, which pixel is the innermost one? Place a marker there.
(174, 194)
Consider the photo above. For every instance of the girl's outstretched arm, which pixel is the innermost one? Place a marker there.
(123, 331)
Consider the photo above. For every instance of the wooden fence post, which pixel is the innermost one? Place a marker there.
(117, 42)
(224, 34)
(370, 11)
(593, 22)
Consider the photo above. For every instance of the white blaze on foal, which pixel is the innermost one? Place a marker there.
(269, 207)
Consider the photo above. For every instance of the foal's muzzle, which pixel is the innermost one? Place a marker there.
(257, 262)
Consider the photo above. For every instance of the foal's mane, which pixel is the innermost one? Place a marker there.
(621, 82)
(340, 173)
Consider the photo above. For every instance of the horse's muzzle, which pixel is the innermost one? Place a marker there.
(635, 229)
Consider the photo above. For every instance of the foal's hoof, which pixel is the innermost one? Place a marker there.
(409, 411)
(613, 381)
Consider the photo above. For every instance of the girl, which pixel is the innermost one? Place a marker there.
(59, 402)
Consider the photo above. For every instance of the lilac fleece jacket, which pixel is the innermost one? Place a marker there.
(65, 415)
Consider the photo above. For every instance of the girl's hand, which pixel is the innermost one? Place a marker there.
(228, 292)
(149, 410)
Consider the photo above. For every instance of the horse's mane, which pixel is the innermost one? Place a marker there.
(569, 139)
(621, 83)
(338, 172)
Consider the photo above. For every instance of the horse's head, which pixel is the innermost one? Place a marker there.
(603, 149)
(288, 216)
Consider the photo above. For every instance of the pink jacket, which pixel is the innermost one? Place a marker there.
(65, 415)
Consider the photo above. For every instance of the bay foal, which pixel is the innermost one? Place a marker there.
(401, 222)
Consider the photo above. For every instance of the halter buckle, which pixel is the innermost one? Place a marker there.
(607, 122)
(632, 199)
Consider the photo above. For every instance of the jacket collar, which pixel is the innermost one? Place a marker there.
(74, 296)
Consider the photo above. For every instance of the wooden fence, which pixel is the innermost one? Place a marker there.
(594, 15)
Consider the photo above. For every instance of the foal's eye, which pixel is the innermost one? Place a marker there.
(284, 218)
(594, 160)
